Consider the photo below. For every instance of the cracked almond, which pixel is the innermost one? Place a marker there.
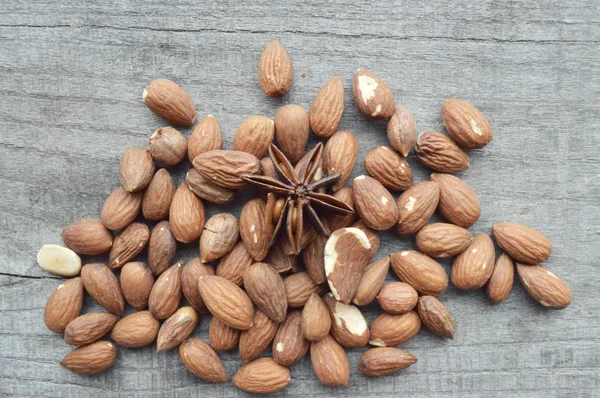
(348, 325)
(220, 233)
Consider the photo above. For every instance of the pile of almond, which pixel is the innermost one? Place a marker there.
(252, 289)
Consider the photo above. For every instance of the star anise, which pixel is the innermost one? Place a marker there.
(297, 194)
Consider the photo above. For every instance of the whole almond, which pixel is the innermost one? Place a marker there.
(389, 330)
(316, 321)
(200, 359)
(268, 167)
(473, 267)
(397, 298)
(234, 263)
(298, 289)
(339, 156)
(544, 287)
(416, 206)
(275, 73)
(383, 361)
(438, 152)
(167, 146)
(440, 240)
(327, 108)
(92, 359)
(262, 376)
(204, 189)
(136, 283)
(255, 340)
(337, 221)
(436, 317)
(389, 168)
(501, 281)
(59, 260)
(176, 328)
(205, 137)
(136, 169)
(374, 203)
(64, 305)
(314, 259)
(372, 96)
(161, 248)
(423, 273)
(156, 201)
(88, 237)
(348, 325)
(121, 208)
(402, 130)
(192, 271)
(281, 263)
(373, 237)
(128, 244)
(289, 345)
(219, 235)
(522, 243)
(372, 281)
(87, 328)
(254, 135)
(330, 362)
(168, 100)
(458, 202)
(291, 131)
(165, 295)
(464, 122)
(265, 287)
(254, 230)
(186, 215)
(224, 168)
(226, 301)
(136, 330)
(100, 283)
(221, 336)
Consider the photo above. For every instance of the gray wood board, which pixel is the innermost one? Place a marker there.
(72, 75)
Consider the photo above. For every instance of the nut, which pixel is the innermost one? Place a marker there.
(64, 305)
(316, 321)
(168, 100)
(220, 233)
(136, 330)
(337, 221)
(402, 130)
(176, 329)
(265, 287)
(221, 336)
(167, 146)
(186, 215)
(389, 168)
(136, 283)
(469, 128)
(473, 268)
(100, 283)
(374, 203)
(327, 108)
(92, 359)
(372, 281)
(436, 317)
(254, 135)
(330, 362)
(383, 361)
(136, 169)
(255, 340)
(458, 202)
(59, 260)
(234, 263)
(121, 208)
(204, 189)
(339, 156)
(314, 259)
(372, 96)
(226, 301)
(545, 287)
(522, 243)
(416, 206)
(289, 345)
(373, 237)
(161, 248)
(87, 328)
(348, 325)
(205, 137)
(254, 229)
(193, 270)
(397, 298)
(390, 330)
(281, 263)
(291, 131)
(224, 168)
(156, 201)
(298, 289)
(440, 240)
(129, 244)
(165, 295)
(275, 73)
(88, 237)
(501, 281)
(423, 273)
(440, 153)
(200, 359)
(262, 376)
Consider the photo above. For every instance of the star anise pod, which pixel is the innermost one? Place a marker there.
(298, 194)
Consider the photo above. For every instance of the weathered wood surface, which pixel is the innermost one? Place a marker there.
(72, 73)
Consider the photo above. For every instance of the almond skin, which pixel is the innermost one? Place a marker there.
(339, 156)
(473, 268)
(100, 283)
(158, 195)
(87, 328)
(204, 189)
(330, 362)
(316, 321)
(205, 137)
(416, 206)
(262, 376)
(136, 330)
(275, 73)
(168, 100)
(389, 168)
(466, 124)
(298, 288)
(226, 301)
(436, 317)
(397, 298)
(314, 259)
(254, 230)
(441, 240)
(337, 221)
(440, 153)
(220, 233)
(348, 325)
(423, 273)
(129, 244)
(402, 130)
(224, 168)
(291, 131)
(136, 169)
(64, 305)
(176, 329)
(501, 281)
(221, 336)
(372, 96)
(372, 281)
(327, 108)
(255, 340)
(121, 208)
(268, 167)
(383, 361)
(88, 237)
(136, 283)
(161, 248)
(234, 263)
(254, 135)
(544, 287)
(166, 292)
(193, 270)
(281, 263)
(200, 359)
(92, 359)
(186, 215)
(458, 202)
(524, 244)
(372, 236)
(265, 287)
(390, 330)
(374, 203)
(167, 146)
(289, 345)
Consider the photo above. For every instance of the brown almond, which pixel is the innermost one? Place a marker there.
(316, 321)
(275, 73)
(204, 189)
(176, 328)
(337, 221)
(205, 137)
(339, 156)
(544, 287)
(327, 108)
(374, 203)
(136, 283)
(161, 248)
(168, 100)
(314, 259)
(200, 359)
(436, 317)
(224, 168)
(438, 152)
(416, 206)
(121, 208)
(299, 287)
(397, 298)
(221, 336)
(219, 235)
(268, 167)
(458, 202)
(131, 242)
(501, 281)
(440, 240)
(262, 376)
(255, 340)
(291, 131)
(389, 168)
(100, 283)
(330, 362)
(423, 273)
(281, 263)
(226, 301)
(289, 345)
(466, 124)
(136, 330)
(192, 271)
(165, 295)
(234, 263)
(372, 281)
(402, 130)
(522, 243)
(254, 230)
(167, 146)
(373, 237)
(156, 201)
(87, 328)
(383, 361)
(348, 325)
(265, 287)
(88, 237)
(390, 330)
(186, 215)
(372, 96)
(64, 305)
(136, 169)
(92, 359)
(473, 268)
(254, 135)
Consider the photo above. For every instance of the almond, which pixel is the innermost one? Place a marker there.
(166, 292)
(440, 153)
(121, 208)
(397, 298)
(221, 336)
(473, 268)
(291, 131)
(262, 376)
(100, 283)
(390, 330)
(255, 340)
(92, 359)
(299, 287)
(176, 329)
(200, 359)
(440, 240)
(416, 206)
(234, 263)
(186, 215)
(88, 237)
(501, 281)
(423, 273)
(136, 169)
(464, 122)
(275, 72)
(64, 305)
(156, 201)
(339, 156)
(544, 287)
(161, 248)
(268, 167)
(314, 259)
(289, 345)
(265, 287)
(348, 325)
(316, 321)
(136, 283)
(458, 202)
(254, 135)
(389, 168)
(383, 361)
(167, 146)
(372, 96)
(374, 203)
(226, 301)
(205, 137)
(281, 263)
(522, 243)
(327, 108)
(330, 362)
(436, 317)
(373, 237)
(192, 271)
(204, 189)
(254, 230)
(337, 221)
(136, 330)
(220, 233)
(129, 244)
(402, 130)
(224, 168)
(372, 281)
(168, 100)
(87, 328)
(59, 260)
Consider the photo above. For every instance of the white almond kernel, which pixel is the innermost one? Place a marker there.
(59, 260)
